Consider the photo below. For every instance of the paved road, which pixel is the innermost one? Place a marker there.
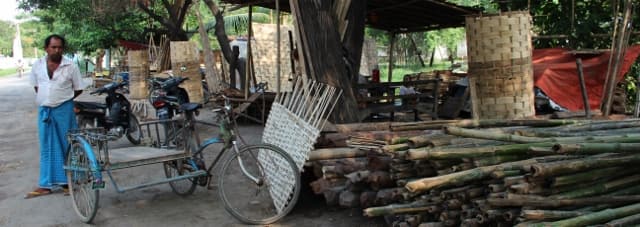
(154, 206)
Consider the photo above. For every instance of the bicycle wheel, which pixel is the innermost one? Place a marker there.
(268, 197)
(80, 181)
(179, 167)
(134, 132)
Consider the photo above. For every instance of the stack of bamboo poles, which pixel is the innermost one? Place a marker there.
(569, 173)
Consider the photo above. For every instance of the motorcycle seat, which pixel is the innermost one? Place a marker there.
(190, 106)
(90, 105)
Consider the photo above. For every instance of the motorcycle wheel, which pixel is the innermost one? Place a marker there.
(85, 122)
(134, 132)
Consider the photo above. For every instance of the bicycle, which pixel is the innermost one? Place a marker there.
(258, 184)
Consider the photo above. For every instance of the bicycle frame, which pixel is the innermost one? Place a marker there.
(228, 138)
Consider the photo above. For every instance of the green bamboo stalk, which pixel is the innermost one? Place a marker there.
(462, 177)
(548, 215)
(551, 133)
(633, 190)
(494, 160)
(396, 209)
(572, 166)
(626, 221)
(397, 140)
(484, 124)
(596, 148)
(599, 188)
(472, 152)
(553, 203)
(483, 134)
(590, 176)
(598, 217)
(395, 147)
(499, 174)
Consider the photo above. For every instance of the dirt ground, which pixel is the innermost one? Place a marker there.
(153, 206)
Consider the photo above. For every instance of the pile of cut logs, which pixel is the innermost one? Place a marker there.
(486, 173)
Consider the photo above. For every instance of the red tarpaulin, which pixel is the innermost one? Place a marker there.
(555, 73)
(132, 45)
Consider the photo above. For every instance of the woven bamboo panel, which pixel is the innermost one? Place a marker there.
(263, 48)
(183, 51)
(194, 84)
(138, 90)
(500, 69)
(138, 61)
(369, 59)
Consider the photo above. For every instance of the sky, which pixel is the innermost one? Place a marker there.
(8, 10)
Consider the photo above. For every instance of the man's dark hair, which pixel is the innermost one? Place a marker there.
(47, 40)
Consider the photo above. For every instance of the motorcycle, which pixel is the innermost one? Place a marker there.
(166, 96)
(114, 115)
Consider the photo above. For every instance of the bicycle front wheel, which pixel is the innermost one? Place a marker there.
(80, 181)
(259, 184)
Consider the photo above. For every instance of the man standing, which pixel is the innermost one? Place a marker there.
(57, 81)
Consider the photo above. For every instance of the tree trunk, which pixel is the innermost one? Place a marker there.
(323, 53)
(354, 37)
(220, 33)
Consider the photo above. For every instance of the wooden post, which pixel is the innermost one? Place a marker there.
(583, 89)
(393, 40)
(277, 48)
(248, 65)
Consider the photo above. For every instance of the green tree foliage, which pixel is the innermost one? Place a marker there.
(7, 32)
(86, 24)
(587, 24)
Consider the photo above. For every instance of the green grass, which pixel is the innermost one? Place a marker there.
(10, 71)
(400, 70)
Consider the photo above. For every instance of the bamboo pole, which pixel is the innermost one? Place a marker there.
(589, 176)
(396, 209)
(596, 148)
(462, 177)
(549, 215)
(472, 152)
(468, 123)
(598, 189)
(626, 221)
(598, 217)
(552, 203)
(483, 134)
(335, 153)
(572, 166)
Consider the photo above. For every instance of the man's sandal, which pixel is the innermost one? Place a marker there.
(65, 190)
(38, 192)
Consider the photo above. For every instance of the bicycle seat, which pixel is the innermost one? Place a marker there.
(190, 106)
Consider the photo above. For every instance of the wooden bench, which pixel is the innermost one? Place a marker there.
(382, 98)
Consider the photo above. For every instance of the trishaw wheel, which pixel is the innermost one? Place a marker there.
(80, 182)
(176, 168)
(260, 184)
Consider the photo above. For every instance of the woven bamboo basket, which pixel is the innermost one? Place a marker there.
(500, 68)
(193, 85)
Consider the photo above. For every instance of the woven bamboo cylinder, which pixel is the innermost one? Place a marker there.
(500, 68)
(185, 63)
(138, 72)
